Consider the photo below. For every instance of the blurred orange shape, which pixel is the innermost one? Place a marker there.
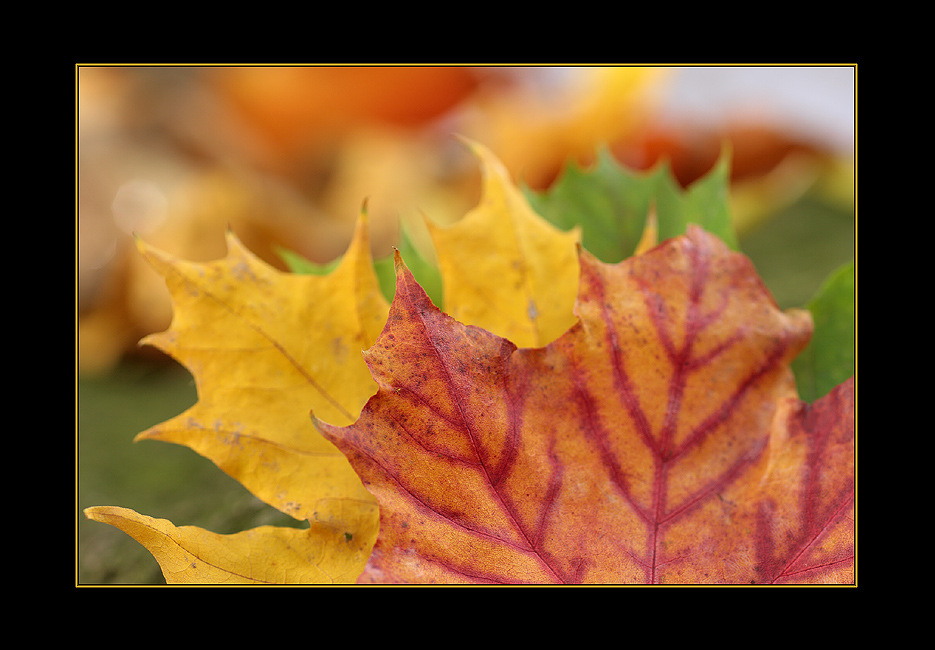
(292, 107)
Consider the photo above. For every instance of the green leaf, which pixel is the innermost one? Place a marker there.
(829, 359)
(610, 203)
(298, 264)
(706, 203)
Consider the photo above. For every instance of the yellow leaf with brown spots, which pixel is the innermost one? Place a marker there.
(505, 268)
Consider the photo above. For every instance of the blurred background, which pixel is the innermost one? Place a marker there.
(285, 156)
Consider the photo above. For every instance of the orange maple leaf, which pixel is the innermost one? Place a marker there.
(659, 440)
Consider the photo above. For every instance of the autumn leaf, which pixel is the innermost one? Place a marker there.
(264, 347)
(809, 478)
(503, 267)
(321, 554)
(658, 440)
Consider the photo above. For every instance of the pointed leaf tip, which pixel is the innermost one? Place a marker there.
(398, 263)
(404, 277)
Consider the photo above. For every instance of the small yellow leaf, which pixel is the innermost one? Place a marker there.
(650, 236)
(265, 348)
(504, 267)
(264, 555)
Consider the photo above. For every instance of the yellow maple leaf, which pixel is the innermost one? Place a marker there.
(505, 268)
(321, 554)
(265, 347)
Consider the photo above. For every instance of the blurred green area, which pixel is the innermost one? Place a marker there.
(798, 247)
(793, 251)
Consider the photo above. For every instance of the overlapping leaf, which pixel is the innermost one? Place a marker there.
(658, 440)
(321, 554)
(501, 267)
(504, 268)
(264, 347)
